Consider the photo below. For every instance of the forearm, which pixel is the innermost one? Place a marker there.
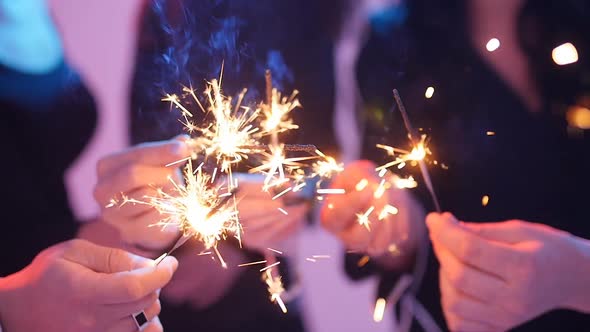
(579, 299)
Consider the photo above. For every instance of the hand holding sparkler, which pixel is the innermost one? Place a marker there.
(132, 175)
(79, 286)
(372, 216)
(495, 276)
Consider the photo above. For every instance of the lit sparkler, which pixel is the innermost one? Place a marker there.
(275, 289)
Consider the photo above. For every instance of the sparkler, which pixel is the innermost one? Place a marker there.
(233, 134)
(197, 209)
(418, 150)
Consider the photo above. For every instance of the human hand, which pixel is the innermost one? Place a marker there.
(495, 276)
(386, 232)
(77, 286)
(136, 173)
(265, 226)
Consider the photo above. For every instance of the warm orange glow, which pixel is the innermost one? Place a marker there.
(485, 200)
(578, 117)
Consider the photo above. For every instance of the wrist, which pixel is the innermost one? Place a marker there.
(579, 298)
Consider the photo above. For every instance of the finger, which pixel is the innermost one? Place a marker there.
(354, 173)
(257, 220)
(475, 283)
(509, 232)
(154, 326)
(339, 211)
(489, 256)
(274, 234)
(131, 177)
(251, 209)
(128, 323)
(159, 153)
(123, 310)
(131, 209)
(102, 259)
(133, 285)
(466, 312)
(146, 233)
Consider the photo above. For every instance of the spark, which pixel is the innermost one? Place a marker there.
(283, 211)
(275, 289)
(361, 185)
(485, 200)
(404, 183)
(326, 167)
(276, 251)
(179, 161)
(332, 191)
(320, 256)
(278, 167)
(363, 261)
(490, 133)
(282, 193)
(418, 153)
(196, 209)
(363, 218)
(379, 309)
(310, 260)
(252, 263)
(276, 115)
(231, 136)
(380, 191)
(388, 210)
(269, 266)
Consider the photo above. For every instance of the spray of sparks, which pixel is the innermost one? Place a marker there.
(402, 157)
(233, 134)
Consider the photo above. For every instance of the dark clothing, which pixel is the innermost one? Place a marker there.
(47, 120)
(534, 168)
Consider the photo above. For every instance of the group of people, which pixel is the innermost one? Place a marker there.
(498, 122)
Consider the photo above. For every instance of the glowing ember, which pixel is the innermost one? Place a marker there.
(485, 200)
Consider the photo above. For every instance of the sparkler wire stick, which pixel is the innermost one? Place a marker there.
(415, 142)
(387, 280)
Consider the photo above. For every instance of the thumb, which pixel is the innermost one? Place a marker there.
(509, 232)
(159, 153)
